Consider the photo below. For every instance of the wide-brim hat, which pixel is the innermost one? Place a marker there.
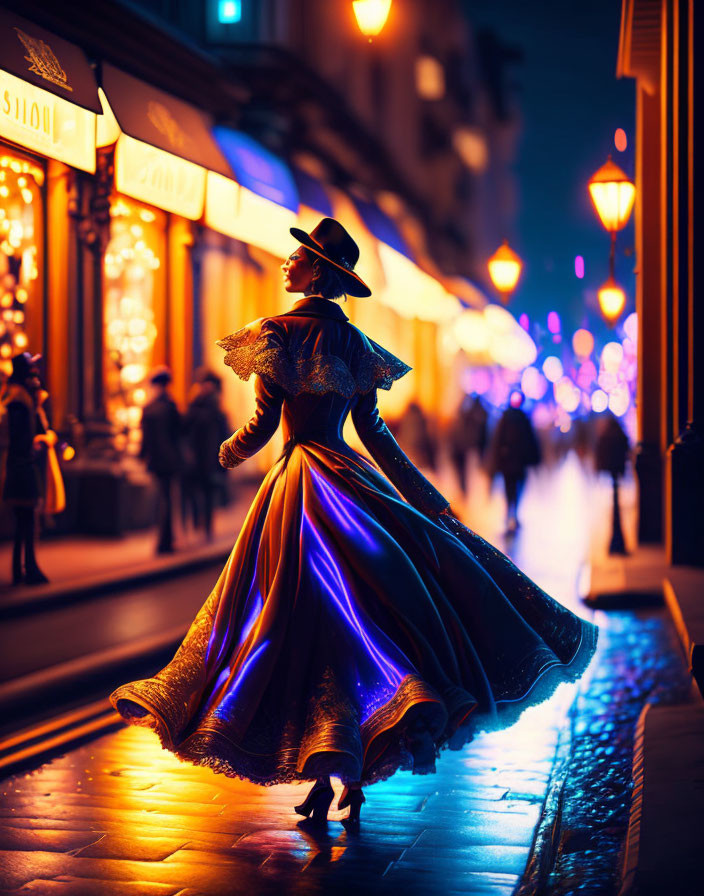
(331, 242)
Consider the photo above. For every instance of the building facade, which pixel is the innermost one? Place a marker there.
(657, 48)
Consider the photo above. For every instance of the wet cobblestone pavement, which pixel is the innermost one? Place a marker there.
(639, 661)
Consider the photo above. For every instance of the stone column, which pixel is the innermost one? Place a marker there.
(651, 444)
(685, 458)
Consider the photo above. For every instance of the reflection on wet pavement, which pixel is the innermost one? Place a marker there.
(121, 815)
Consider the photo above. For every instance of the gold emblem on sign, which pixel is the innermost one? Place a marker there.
(166, 124)
(43, 59)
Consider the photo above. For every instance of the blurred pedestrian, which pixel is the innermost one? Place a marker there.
(612, 447)
(161, 449)
(467, 435)
(414, 435)
(205, 428)
(514, 448)
(22, 487)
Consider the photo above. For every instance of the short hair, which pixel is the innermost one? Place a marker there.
(326, 281)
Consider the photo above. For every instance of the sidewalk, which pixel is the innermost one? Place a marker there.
(80, 564)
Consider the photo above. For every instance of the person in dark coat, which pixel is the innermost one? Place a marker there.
(22, 486)
(514, 448)
(468, 433)
(161, 449)
(205, 428)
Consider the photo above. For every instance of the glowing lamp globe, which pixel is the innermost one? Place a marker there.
(612, 301)
(613, 195)
(504, 269)
(371, 15)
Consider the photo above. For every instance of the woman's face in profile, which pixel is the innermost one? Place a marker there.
(297, 271)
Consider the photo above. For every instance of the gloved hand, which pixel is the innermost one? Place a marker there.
(227, 457)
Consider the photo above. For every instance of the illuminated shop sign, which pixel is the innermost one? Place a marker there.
(159, 178)
(246, 216)
(45, 123)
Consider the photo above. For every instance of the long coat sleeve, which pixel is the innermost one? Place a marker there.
(387, 453)
(247, 440)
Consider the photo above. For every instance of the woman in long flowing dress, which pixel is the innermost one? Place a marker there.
(357, 627)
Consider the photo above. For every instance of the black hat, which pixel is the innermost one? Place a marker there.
(331, 242)
(22, 365)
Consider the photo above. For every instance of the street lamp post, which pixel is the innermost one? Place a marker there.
(505, 268)
(612, 195)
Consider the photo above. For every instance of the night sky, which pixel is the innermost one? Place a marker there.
(570, 103)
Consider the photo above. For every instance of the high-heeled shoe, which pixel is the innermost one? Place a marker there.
(317, 802)
(352, 797)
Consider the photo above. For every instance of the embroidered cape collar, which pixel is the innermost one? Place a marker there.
(317, 306)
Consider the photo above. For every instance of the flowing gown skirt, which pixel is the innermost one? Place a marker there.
(344, 623)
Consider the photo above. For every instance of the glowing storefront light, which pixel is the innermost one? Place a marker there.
(130, 264)
(509, 344)
(410, 292)
(20, 232)
(238, 212)
(158, 177)
(47, 124)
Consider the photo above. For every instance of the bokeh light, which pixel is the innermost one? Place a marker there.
(583, 343)
(611, 356)
(553, 322)
(619, 400)
(600, 401)
(579, 267)
(533, 383)
(552, 368)
(620, 140)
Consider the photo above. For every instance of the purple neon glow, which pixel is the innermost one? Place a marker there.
(252, 618)
(553, 322)
(524, 321)
(337, 504)
(324, 557)
(238, 681)
(579, 267)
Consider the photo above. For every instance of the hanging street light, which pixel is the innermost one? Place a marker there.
(612, 301)
(371, 16)
(612, 195)
(505, 268)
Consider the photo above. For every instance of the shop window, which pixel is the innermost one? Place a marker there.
(133, 277)
(21, 223)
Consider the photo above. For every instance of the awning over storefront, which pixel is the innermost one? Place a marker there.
(48, 93)
(162, 120)
(258, 169)
(164, 145)
(382, 227)
(259, 206)
(312, 193)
